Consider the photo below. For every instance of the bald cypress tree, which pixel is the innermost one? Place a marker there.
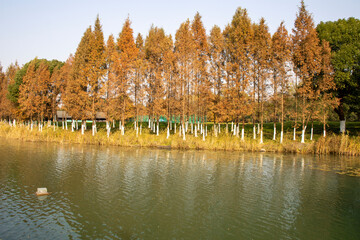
(27, 93)
(7, 107)
(111, 109)
(281, 56)
(216, 72)
(79, 102)
(306, 59)
(97, 66)
(184, 51)
(84, 90)
(3, 91)
(125, 69)
(238, 46)
(138, 82)
(156, 46)
(325, 86)
(261, 66)
(200, 65)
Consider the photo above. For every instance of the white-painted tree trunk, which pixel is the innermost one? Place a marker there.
(183, 130)
(31, 125)
(242, 134)
(93, 129)
(82, 128)
(203, 136)
(342, 126)
(77, 125)
(261, 137)
(66, 125)
(234, 130)
(192, 128)
(219, 128)
(180, 130)
(157, 129)
(63, 124)
(14, 123)
(294, 138)
(168, 133)
(254, 132)
(201, 129)
(274, 137)
(113, 122)
(258, 128)
(206, 131)
(324, 133)
(120, 125)
(311, 133)
(122, 130)
(232, 126)
(149, 123)
(303, 135)
(140, 129)
(195, 131)
(281, 137)
(108, 131)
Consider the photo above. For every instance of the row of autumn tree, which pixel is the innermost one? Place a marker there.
(240, 74)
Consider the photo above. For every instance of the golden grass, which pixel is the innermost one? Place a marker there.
(332, 144)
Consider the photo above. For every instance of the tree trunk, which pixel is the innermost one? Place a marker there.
(282, 119)
(83, 122)
(157, 127)
(93, 127)
(340, 111)
(183, 131)
(294, 134)
(274, 137)
(254, 131)
(303, 134)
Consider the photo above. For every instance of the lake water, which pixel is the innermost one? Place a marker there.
(128, 193)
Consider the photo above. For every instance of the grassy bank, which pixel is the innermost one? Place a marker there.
(332, 144)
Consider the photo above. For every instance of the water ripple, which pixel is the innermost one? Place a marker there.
(119, 193)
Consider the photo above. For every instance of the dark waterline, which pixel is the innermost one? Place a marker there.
(111, 192)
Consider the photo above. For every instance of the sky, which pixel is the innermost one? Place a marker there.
(53, 29)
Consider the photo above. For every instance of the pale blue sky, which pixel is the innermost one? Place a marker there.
(53, 29)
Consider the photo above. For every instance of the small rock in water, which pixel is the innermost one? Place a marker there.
(42, 191)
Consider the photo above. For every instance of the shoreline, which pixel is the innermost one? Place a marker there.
(331, 145)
